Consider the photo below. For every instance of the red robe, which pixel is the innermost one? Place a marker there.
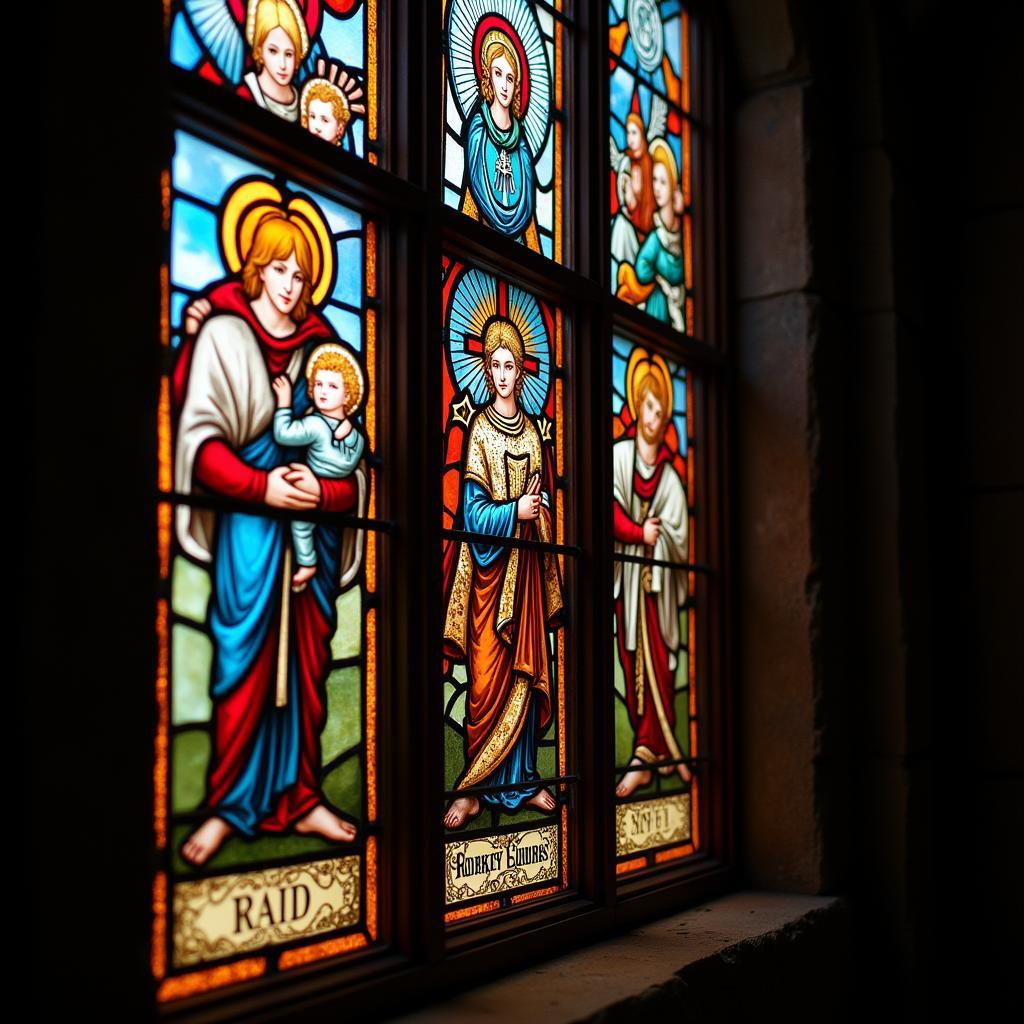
(239, 715)
(217, 467)
(650, 743)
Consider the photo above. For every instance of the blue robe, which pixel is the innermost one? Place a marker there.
(505, 201)
(654, 259)
(265, 763)
(498, 518)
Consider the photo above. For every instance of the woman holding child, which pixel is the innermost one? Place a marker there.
(267, 682)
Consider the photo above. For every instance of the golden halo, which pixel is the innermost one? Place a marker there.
(339, 350)
(334, 88)
(250, 24)
(314, 227)
(497, 36)
(661, 152)
(242, 212)
(640, 363)
(247, 205)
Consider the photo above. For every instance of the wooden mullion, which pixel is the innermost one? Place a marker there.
(470, 241)
(238, 124)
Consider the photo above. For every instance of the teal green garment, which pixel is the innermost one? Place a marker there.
(654, 259)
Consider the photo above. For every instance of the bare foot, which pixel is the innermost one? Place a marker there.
(633, 779)
(461, 811)
(323, 822)
(205, 841)
(304, 574)
(684, 773)
(543, 800)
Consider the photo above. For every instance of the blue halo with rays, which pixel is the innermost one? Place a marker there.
(474, 304)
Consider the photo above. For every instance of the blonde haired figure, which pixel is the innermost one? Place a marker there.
(656, 281)
(499, 162)
(276, 32)
(501, 601)
(269, 671)
(333, 446)
(649, 517)
(328, 103)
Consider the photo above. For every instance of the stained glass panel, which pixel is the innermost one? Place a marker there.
(266, 747)
(309, 62)
(650, 149)
(505, 594)
(653, 625)
(504, 117)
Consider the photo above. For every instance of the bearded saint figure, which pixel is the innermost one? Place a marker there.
(649, 521)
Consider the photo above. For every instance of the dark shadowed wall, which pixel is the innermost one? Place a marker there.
(879, 187)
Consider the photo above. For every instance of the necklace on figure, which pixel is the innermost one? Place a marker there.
(503, 182)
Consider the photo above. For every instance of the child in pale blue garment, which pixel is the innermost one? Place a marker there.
(333, 445)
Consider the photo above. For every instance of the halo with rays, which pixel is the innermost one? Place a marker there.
(475, 302)
(517, 19)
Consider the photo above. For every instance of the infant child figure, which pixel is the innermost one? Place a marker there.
(328, 102)
(333, 445)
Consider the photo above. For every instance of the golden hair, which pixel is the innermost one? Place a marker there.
(652, 384)
(661, 154)
(504, 334)
(277, 238)
(493, 48)
(326, 93)
(337, 363)
(271, 14)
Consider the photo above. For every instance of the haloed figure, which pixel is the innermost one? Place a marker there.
(499, 162)
(268, 684)
(502, 600)
(333, 445)
(649, 518)
(325, 111)
(276, 31)
(656, 281)
(329, 102)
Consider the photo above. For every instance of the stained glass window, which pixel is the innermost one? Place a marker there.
(650, 143)
(266, 763)
(506, 594)
(654, 618)
(309, 62)
(335, 682)
(505, 123)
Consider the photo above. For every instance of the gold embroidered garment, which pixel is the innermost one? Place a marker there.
(498, 616)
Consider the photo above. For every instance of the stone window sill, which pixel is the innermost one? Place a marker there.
(730, 951)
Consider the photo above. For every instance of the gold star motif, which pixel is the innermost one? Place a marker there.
(544, 426)
(462, 410)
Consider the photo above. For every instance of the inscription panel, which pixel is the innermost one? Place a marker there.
(646, 824)
(500, 864)
(231, 914)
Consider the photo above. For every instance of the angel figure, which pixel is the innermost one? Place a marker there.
(634, 170)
